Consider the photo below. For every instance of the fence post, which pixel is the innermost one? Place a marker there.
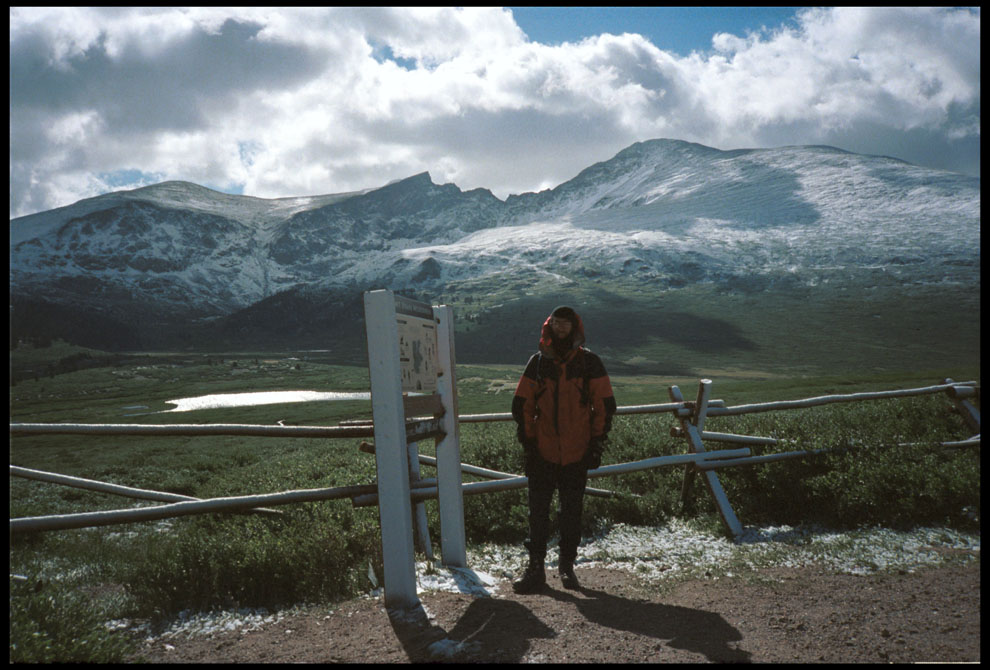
(701, 404)
(692, 431)
(689, 470)
(453, 548)
(391, 452)
(419, 508)
(970, 414)
(698, 419)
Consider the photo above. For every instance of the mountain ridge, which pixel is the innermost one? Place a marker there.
(658, 216)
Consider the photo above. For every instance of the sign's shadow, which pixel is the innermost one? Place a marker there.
(495, 630)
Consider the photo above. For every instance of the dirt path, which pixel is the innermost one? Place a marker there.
(779, 615)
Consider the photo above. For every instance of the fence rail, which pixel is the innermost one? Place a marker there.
(829, 399)
(106, 487)
(517, 482)
(191, 430)
(690, 413)
(213, 505)
(180, 429)
(487, 473)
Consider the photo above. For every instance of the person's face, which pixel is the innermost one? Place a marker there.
(561, 327)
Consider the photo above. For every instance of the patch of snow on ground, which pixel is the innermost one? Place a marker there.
(191, 624)
(457, 580)
(677, 551)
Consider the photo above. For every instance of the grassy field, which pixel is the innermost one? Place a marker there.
(798, 332)
(321, 552)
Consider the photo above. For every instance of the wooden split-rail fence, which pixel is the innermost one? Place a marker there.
(691, 416)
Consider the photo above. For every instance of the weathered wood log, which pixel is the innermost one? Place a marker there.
(701, 404)
(369, 448)
(676, 407)
(973, 441)
(752, 460)
(693, 435)
(969, 413)
(106, 487)
(676, 431)
(212, 505)
(420, 523)
(769, 458)
(515, 482)
(415, 430)
(825, 400)
(956, 391)
(246, 430)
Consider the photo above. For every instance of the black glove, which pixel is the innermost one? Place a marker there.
(593, 457)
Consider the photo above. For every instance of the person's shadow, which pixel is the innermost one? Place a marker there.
(493, 630)
(679, 627)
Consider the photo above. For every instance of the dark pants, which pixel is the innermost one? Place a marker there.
(569, 481)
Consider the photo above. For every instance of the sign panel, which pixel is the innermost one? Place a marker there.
(417, 345)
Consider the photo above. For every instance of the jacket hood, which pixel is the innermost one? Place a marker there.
(546, 335)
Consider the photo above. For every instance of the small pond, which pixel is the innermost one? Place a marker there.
(260, 398)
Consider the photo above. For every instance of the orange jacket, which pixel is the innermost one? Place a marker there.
(561, 403)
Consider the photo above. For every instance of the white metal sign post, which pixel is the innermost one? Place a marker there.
(394, 506)
(411, 349)
(450, 494)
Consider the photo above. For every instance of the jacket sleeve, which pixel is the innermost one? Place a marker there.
(602, 399)
(524, 402)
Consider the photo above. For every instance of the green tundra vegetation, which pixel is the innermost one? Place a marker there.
(77, 580)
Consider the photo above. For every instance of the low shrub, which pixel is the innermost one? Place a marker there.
(53, 624)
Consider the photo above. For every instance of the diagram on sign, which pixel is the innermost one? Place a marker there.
(418, 353)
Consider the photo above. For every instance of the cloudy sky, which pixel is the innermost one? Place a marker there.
(275, 102)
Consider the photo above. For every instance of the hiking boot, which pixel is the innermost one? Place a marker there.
(532, 580)
(567, 577)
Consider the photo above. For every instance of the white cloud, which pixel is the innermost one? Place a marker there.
(304, 101)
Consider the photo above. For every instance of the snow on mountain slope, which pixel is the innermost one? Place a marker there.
(659, 204)
(260, 212)
(174, 242)
(664, 211)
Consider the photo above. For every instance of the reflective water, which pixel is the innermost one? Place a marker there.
(260, 398)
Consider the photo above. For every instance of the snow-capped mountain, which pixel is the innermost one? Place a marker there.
(675, 212)
(662, 213)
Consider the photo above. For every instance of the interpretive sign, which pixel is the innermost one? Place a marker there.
(417, 344)
(411, 348)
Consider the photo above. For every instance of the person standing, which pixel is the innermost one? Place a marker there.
(563, 408)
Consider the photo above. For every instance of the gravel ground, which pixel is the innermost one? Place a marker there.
(669, 594)
(928, 612)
